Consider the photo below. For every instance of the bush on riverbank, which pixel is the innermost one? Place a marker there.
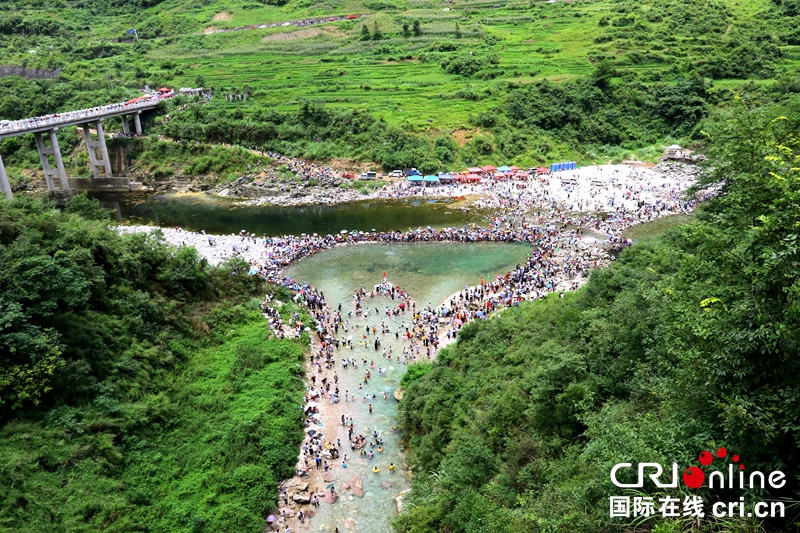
(138, 389)
(162, 160)
(682, 345)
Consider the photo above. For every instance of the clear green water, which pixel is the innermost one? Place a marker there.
(221, 216)
(430, 273)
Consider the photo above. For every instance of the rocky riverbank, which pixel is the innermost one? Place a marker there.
(313, 185)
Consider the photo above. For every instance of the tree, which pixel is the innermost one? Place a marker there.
(199, 81)
(603, 73)
(458, 31)
(417, 29)
(376, 32)
(446, 149)
(365, 35)
(405, 29)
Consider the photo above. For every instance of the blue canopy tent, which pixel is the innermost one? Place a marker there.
(446, 177)
(504, 168)
(431, 179)
(416, 180)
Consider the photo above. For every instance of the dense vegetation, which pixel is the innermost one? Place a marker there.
(410, 82)
(684, 344)
(139, 388)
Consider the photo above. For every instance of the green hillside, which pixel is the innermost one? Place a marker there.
(140, 388)
(458, 69)
(686, 343)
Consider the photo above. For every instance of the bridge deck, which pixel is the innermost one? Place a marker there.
(72, 118)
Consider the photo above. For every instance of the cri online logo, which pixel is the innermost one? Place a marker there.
(694, 477)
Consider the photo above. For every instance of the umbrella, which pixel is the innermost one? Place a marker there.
(315, 235)
(312, 404)
(331, 485)
(271, 518)
(343, 232)
(315, 416)
(312, 432)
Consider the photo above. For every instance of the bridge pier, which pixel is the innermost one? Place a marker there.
(4, 183)
(44, 152)
(137, 122)
(126, 127)
(95, 162)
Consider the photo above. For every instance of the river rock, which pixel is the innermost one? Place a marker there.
(400, 500)
(301, 486)
(355, 482)
(328, 477)
(387, 484)
(288, 512)
(330, 497)
(357, 492)
(302, 497)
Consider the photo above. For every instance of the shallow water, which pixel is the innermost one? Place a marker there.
(430, 273)
(221, 216)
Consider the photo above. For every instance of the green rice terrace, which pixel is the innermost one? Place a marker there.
(404, 83)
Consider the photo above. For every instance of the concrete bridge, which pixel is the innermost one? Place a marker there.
(45, 128)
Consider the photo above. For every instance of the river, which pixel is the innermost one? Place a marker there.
(430, 273)
(195, 211)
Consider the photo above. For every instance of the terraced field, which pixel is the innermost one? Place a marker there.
(430, 67)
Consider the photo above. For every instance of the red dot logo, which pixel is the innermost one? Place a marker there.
(693, 477)
(735, 458)
(722, 452)
(741, 467)
(705, 458)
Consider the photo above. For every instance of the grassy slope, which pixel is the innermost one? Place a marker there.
(207, 448)
(540, 40)
(399, 79)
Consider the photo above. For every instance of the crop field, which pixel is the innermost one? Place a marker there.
(398, 77)
(430, 68)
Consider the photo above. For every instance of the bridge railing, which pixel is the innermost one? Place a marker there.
(72, 116)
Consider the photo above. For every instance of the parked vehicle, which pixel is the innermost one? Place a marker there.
(396, 174)
(369, 175)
